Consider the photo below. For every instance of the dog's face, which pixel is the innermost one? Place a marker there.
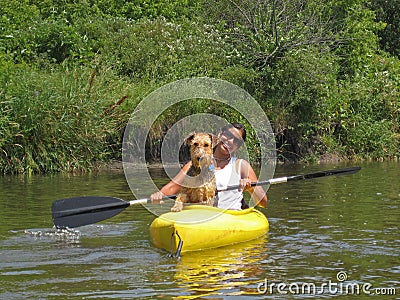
(201, 144)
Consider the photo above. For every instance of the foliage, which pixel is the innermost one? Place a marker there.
(65, 127)
(359, 41)
(309, 55)
(71, 72)
(388, 12)
(158, 49)
(151, 9)
(366, 111)
(297, 95)
(263, 32)
(58, 30)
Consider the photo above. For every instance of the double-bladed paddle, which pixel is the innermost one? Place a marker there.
(85, 210)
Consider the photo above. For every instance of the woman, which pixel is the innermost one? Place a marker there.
(229, 170)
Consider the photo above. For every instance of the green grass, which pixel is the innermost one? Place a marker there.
(59, 121)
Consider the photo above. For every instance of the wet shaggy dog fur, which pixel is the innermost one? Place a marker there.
(199, 185)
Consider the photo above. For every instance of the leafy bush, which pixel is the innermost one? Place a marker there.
(371, 139)
(164, 51)
(58, 121)
(365, 111)
(387, 12)
(298, 90)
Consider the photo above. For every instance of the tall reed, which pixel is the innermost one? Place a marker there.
(64, 120)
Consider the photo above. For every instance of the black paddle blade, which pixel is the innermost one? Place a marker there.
(337, 172)
(80, 211)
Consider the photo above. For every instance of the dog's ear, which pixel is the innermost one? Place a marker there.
(214, 139)
(190, 138)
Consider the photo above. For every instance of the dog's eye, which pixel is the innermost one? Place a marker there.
(195, 144)
(206, 145)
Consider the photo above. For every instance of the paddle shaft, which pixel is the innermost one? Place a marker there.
(346, 171)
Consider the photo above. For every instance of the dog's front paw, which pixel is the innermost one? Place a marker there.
(210, 202)
(178, 206)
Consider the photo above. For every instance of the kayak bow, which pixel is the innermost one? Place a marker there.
(199, 227)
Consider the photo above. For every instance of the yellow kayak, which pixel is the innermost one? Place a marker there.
(199, 227)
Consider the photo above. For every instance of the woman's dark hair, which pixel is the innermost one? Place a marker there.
(237, 126)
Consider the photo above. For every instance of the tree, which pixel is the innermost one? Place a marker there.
(264, 31)
(388, 12)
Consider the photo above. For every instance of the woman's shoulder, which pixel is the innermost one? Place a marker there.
(241, 161)
(243, 166)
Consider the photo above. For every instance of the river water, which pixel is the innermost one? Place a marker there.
(331, 236)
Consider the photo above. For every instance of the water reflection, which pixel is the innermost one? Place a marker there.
(229, 271)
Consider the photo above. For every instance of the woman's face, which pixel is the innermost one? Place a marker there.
(231, 140)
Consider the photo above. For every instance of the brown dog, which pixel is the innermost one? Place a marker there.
(199, 185)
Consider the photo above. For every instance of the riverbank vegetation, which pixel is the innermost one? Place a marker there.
(71, 73)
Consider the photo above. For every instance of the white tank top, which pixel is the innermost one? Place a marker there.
(226, 177)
